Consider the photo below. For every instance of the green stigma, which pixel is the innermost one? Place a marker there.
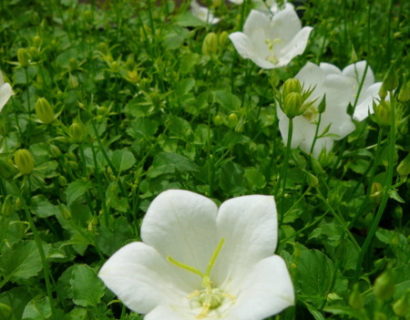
(209, 297)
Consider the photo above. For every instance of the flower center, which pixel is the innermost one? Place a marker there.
(271, 43)
(311, 114)
(209, 297)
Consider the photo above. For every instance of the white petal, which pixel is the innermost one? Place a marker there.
(329, 68)
(236, 1)
(365, 103)
(339, 91)
(141, 278)
(266, 291)
(203, 13)
(357, 70)
(249, 226)
(182, 224)
(5, 93)
(324, 143)
(295, 47)
(285, 24)
(256, 20)
(311, 77)
(163, 312)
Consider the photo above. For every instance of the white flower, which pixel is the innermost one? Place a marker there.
(5, 92)
(201, 262)
(271, 40)
(203, 13)
(340, 88)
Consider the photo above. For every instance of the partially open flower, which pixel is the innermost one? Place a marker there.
(203, 13)
(201, 262)
(339, 89)
(271, 40)
(5, 92)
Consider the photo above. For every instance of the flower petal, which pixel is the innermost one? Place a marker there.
(357, 71)
(285, 24)
(163, 312)
(295, 47)
(266, 291)
(329, 68)
(249, 226)
(5, 93)
(182, 224)
(256, 20)
(312, 77)
(364, 106)
(141, 278)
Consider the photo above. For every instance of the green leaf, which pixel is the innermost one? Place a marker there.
(123, 159)
(75, 190)
(21, 261)
(87, 288)
(41, 207)
(37, 309)
(168, 162)
(13, 300)
(228, 101)
(255, 178)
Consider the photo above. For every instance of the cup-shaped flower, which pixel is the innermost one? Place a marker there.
(354, 85)
(200, 262)
(271, 40)
(5, 92)
(203, 13)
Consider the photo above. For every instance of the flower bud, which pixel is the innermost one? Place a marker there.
(232, 120)
(55, 151)
(383, 113)
(218, 120)
(44, 111)
(23, 57)
(355, 298)
(210, 44)
(383, 287)
(292, 105)
(312, 180)
(77, 132)
(8, 206)
(24, 161)
(379, 316)
(291, 85)
(37, 40)
(376, 190)
(403, 168)
(404, 94)
(7, 170)
(390, 81)
(402, 306)
(72, 81)
(223, 38)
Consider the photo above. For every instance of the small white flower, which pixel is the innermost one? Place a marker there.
(340, 88)
(203, 13)
(5, 92)
(201, 262)
(271, 40)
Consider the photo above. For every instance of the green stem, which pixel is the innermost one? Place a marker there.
(385, 195)
(316, 133)
(28, 96)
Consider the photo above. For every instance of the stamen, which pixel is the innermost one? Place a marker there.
(214, 256)
(185, 266)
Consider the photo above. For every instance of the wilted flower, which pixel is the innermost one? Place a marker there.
(339, 89)
(271, 40)
(203, 13)
(5, 92)
(201, 262)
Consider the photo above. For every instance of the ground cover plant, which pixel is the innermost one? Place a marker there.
(106, 104)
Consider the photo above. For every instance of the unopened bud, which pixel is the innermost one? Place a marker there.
(291, 85)
(356, 298)
(44, 111)
(24, 161)
(383, 287)
(77, 132)
(218, 120)
(403, 168)
(232, 120)
(404, 93)
(383, 113)
(390, 81)
(292, 105)
(37, 40)
(72, 81)
(23, 57)
(9, 205)
(402, 306)
(223, 38)
(376, 190)
(210, 44)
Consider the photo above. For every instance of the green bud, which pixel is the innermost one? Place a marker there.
(376, 190)
(402, 306)
(312, 180)
(73, 63)
(391, 80)
(72, 81)
(55, 151)
(216, 3)
(404, 94)
(210, 44)
(62, 181)
(383, 113)
(292, 105)
(291, 85)
(223, 38)
(379, 316)
(382, 93)
(7, 170)
(218, 120)
(322, 105)
(383, 287)
(44, 111)
(403, 168)
(232, 120)
(23, 57)
(8, 206)
(77, 132)
(37, 40)
(355, 299)
(24, 161)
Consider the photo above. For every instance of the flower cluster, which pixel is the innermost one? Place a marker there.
(200, 262)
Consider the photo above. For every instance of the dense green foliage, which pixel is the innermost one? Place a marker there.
(136, 107)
